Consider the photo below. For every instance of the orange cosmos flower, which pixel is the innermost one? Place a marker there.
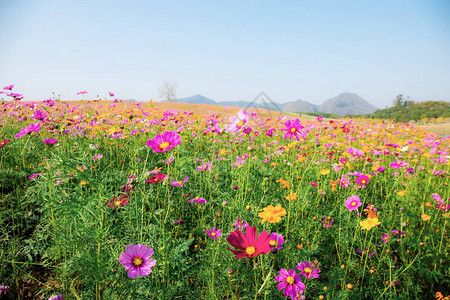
(425, 217)
(272, 214)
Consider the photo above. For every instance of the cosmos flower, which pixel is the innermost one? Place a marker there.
(28, 129)
(250, 244)
(272, 214)
(50, 141)
(164, 142)
(118, 202)
(179, 182)
(206, 167)
(3, 288)
(293, 130)
(39, 115)
(237, 123)
(291, 283)
(4, 142)
(353, 202)
(362, 180)
(385, 237)
(198, 200)
(240, 224)
(213, 233)
(157, 178)
(307, 269)
(97, 157)
(82, 92)
(369, 223)
(56, 297)
(136, 260)
(276, 240)
(327, 222)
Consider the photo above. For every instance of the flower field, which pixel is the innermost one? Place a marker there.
(125, 200)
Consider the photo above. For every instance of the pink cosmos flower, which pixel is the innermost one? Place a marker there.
(164, 142)
(353, 202)
(111, 94)
(39, 115)
(207, 167)
(4, 142)
(354, 151)
(9, 87)
(385, 237)
(118, 202)
(179, 183)
(291, 283)
(28, 129)
(198, 200)
(136, 260)
(97, 157)
(82, 92)
(276, 240)
(320, 118)
(240, 223)
(362, 180)
(307, 269)
(237, 123)
(213, 233)
(293, 130)
(250, 244)
(56, 297)
(168, 162)
(327, 222)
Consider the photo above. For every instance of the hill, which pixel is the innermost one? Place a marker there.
(347, 104)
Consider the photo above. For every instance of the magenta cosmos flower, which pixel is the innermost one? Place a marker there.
(291, 283)
(198, 200)
(213, 233)
(237, 123)
(164, 142)
(362, 180)
(56, 297)
(307, 269)
(276, 240)
(179, 182)
(353, 202)
(28, 129)
(50, 141)
(293, 129)
(249, 245)
(136, 260)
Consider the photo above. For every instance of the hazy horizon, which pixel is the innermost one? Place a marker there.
(227, 51)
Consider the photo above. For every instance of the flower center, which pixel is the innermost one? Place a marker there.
(164, 145)
(272, 243)
(290, 280)
(213, 233)
(137, 261)
(363, 181)
(354, 203)
(293, 129)
(117, 203)
(250, 250)
(307, 270)
(240, 123)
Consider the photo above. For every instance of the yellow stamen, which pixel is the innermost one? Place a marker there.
(290, 279)
(272, 243)
(354, 203)
(250, 250)
(307, 270)
(117, 203)
(240, 123)
(164, 145)
(213, 233)
(137, 261)
(293, 129)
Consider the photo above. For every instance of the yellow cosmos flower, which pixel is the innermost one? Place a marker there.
(369, 223)
(324, 172)
(272, 214)
(401, 193)
(83, 182)
(291, 196)
(425, 217)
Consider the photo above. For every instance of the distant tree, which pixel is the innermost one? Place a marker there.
(168, 91)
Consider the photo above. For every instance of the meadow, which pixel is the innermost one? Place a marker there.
(126, 200)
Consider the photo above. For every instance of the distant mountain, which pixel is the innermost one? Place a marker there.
(343, 104)
(197, 99)
(347, 104)
(300, 106)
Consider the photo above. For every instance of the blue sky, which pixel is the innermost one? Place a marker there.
(227, 50)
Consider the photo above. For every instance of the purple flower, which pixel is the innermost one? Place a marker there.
(385, 237)
(307, 269)
(50, 141)
(56, 297)
(276, 240)
(3, 288)
(327, 222)
(198, 200)
(28, 129)
(362, 180)
(97, 157)
(136, 260)
(213, 233)
(38, 115)
(206, 167)
(291, 283)
(240, 224)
